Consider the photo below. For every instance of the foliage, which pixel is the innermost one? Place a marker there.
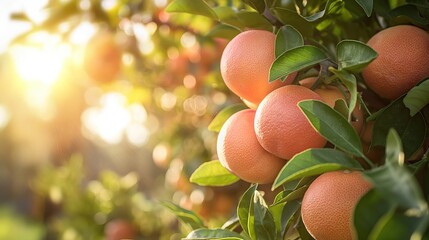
(327, 39)
(105, 199)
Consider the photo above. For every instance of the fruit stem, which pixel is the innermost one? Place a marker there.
(271, 18)
(368, 161)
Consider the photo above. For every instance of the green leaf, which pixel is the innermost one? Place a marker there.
(223, 31)
(245, 209)
(217, 123)
(291, 17)
(258, 5)
(289, 210)
(412, 130)
(332, 126)
(417, 97)
(196, 7)
(231, 224)
(283, 213)
(204, 233)
(224, 13)
(393, 180)
(318, 15)
(212, 173)
(264, 225)
(354, 56)
(313, 162)
(187, 217)
(408, 13)
(253, 20)
(348, 80)
(287, 38)
(290, 195)
(396, 225)
(294, 60)
(366, 5)
(368, 211)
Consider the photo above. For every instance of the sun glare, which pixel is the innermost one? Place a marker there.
(114, 119)
(41, 62)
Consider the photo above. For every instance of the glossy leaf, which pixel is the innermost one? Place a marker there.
(412, 130)
(294, 60)
(393, 180)
(318, 15)
(291, 17)
(417, 97)
(223, 31)
(245, 209)
(283, 213)
(196, 7)
(313, 162)
(264, 225)
(368, 212)
(366, 5)
(396, 225)
(258, 5)
(354, 56)
(291, 196)
(410, 13)
(287, 38)
(212, 173)
(204, 233)
(231, 224)
(332, 126)
(217, 123)
(348, 80)
(253, 20)
(186, 216)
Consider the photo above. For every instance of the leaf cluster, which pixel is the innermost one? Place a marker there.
(326, 39)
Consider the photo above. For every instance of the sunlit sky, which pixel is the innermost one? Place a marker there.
(111, 120)
(10, 29)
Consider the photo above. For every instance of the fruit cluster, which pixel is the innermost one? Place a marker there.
(255, 144)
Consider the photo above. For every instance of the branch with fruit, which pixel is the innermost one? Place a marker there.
(333, 117)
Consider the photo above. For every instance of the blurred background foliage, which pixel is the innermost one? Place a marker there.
(104, 108)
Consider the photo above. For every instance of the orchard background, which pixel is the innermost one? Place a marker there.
(110, 112)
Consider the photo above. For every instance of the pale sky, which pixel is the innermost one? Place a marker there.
(9, 29)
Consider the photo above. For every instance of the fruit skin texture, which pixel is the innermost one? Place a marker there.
(240, 152)
(328, 204)
(246, 62)
(281, 127)
(402, 62)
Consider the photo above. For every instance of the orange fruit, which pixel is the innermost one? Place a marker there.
(102, 57)
(330, 94)
(119, 229)
(246, 62)
(329, 202)
(402, 62)
(240, 152)
(281, 127)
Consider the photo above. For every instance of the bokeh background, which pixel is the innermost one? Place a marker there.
(104, 108)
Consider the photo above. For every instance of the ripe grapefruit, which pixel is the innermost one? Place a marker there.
(240, 152)
(281, 127)
(403, 57)
(328, 204)
(102, 58)
(245, 65)
(119, 229)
